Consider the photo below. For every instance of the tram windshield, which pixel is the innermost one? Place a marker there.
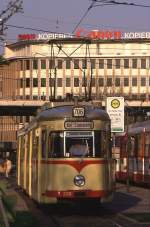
(78, 144)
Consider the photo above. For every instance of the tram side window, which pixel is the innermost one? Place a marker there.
(44, 143)
(35, 142)
(139, 153)
(147, 145)
(55, 145)
(98, 146)
(22, 147)
(102, 145)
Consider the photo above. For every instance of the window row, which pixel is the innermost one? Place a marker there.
(109, 81)
(44, 97)
(126, 63)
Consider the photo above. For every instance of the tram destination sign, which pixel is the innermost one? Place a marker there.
(79, 125)
(115, 110)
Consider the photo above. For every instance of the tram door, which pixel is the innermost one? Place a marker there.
(34, 162)
(19, 155)
(22, 154)
(44, 167)
(27, 162)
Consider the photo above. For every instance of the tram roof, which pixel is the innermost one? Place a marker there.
(65, 111)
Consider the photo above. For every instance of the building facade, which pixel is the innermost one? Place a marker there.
(42, 69)
(91, 68)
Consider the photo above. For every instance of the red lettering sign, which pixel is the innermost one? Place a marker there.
(97, 34)
(27, 36)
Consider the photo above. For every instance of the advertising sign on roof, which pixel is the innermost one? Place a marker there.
(84, 33)
(115, 110)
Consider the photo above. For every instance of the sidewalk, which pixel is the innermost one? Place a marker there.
(19, 203)
(137, 200)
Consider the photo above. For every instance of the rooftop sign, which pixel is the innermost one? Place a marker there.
(83, 33)
(44, 36)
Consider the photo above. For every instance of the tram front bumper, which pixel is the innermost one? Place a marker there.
(79, 194)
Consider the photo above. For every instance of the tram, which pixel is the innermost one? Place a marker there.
(65, 153)
(132, 153)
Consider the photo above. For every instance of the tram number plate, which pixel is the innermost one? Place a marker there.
(78, 112)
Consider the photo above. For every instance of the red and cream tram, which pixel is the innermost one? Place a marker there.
(132, 153)
(65, 152)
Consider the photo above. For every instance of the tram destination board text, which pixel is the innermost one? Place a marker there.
(79, 125)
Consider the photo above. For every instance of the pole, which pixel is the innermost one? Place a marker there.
(114, 144)
(127, 154)
(55, 82)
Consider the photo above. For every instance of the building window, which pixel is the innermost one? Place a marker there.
(84, 64)
(126, 82)
(117, 82)
(143, 81)
(68, 64)
(117, 64)
(21, 65)
(27, 119)
(27, 97)
(76, 64)
(134, 81)
(134, 63)
(59, 82)
(126, 63)
(21, 119)
(43, 82)
(93, 82)
(109, 82)
(143, 96)
(27, 82)
(51, 64)
(84, 82)
(43, 97)
(143, 63)
(35, 82)
(21, 83)
(68, 82)
(43, 64)
(101, 63)
(35, 97)
(35, 64)
(109, 63)
(101, 82)
(51, 82)
(92, 63)
(27, 64)
(1, 85)
(59, 65)
(76, 82)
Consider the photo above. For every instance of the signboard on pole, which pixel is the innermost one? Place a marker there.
(115, 110)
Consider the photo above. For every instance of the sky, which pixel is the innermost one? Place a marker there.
(64, 15)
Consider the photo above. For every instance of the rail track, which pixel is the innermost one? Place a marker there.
(75, 214)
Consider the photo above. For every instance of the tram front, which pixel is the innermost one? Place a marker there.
(80, 160)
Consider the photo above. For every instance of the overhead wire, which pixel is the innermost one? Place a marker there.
(113, 2)
(85, 24)
(84, 15)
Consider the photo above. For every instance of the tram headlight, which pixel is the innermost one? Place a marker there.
(79, 180)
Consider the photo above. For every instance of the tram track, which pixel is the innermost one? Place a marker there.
(80, 215)
(76, 214)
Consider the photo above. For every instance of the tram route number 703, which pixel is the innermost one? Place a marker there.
(78, 112)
